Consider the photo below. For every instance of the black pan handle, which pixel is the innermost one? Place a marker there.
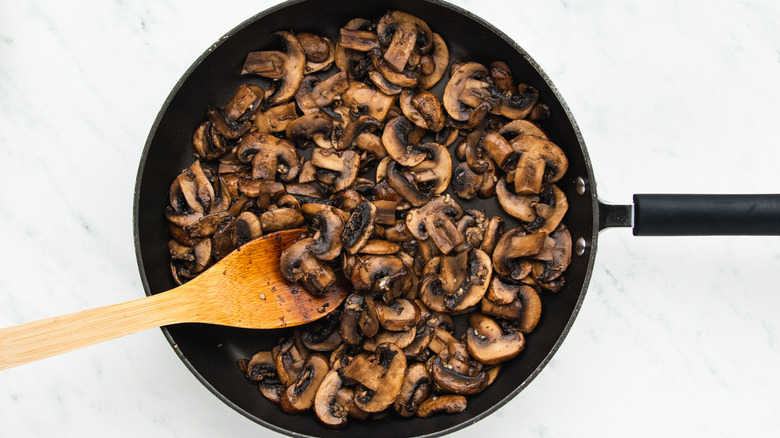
(696, 215)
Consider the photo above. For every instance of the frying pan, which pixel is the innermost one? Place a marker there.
(213, 78)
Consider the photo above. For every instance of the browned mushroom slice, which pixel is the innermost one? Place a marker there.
(383, 84)
(380, 376)
(269, 155)
(395, 138)
(360, 40)
(359, 228)
(205, 226)
(437, 167)
(402, 315)
(468, 294)
(499, 150)
(331, 409)
(299, 396)
(450, 404)
(415, 389)
(444, 204)
(550, 210)
(226, 126)
(311, 128)
(493, 232)
(441, 59)
(353, 313)
(518, 206)
(511, 311)
(275, 119)
(314, 94)
(282, 218)
(540, 161)
(384, 274)
(204, 147)
(405, 78)
(556, 253)
(365, 100)
(408, 190)
(401, 45)
(452, 381)
(353, 129)
(387, 29)
(532, 308)
(379, 247)
(328, 226)
(488, 344)
(345, 163)
(502, 77)
(261, 368)
(465, 181)
(465, 90)
(268, 64)
(287, 67)
(521, 127)
(443, 232)
(399, 339)
(423, 109)
(319, 51)
(289, 361)
(500, 292)
(192, 191)
(514, 245)
(323, 335)
(297, 263)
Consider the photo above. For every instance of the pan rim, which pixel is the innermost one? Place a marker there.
(590, 190)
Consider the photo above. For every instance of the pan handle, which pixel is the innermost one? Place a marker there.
(696, 215)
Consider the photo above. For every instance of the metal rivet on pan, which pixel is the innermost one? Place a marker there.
(580, 245)
(579, 185)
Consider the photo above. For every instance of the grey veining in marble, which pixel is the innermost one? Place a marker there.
(677, 337)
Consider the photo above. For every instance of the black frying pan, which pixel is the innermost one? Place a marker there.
(215, 76)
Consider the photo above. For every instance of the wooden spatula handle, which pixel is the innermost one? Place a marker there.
(51, 336)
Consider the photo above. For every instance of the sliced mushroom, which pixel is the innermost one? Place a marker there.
(384, 274)
(360, 40)
(550, 209)
(331, 409)
(518, 206)
(299, 396)
(323, 335)
(345, 163)
(396, 141)
(269, 155)
(282, 218)
(500, 292)
(327, 237)
(365, 100)
(359, 228)
(415, 388)
(401, 315)
(319, 51)
(556, 253)
(436, 170)
(380, 376)
(493, 232)
(468, 294)
(314, 93)
(400, 339)
(488, 344)
(286, 67)
(310, 128)
(465, 85)
(532, 308)
(452, 381)
(511, 248)
(540, 161)
(423, 109)
(521, 127)
(402, 185)
(441, 59)
(465, 181)
(499, 150)
(275, 119)
(297, 263)
(450, 404)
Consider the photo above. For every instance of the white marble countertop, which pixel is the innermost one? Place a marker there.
(677, 336)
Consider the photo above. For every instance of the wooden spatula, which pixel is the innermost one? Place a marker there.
(244, 289)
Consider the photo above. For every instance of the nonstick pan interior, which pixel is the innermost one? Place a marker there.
(211, 352)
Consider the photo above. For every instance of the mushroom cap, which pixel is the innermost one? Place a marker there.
(327, 237)
(540, 161)
(488, 344)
